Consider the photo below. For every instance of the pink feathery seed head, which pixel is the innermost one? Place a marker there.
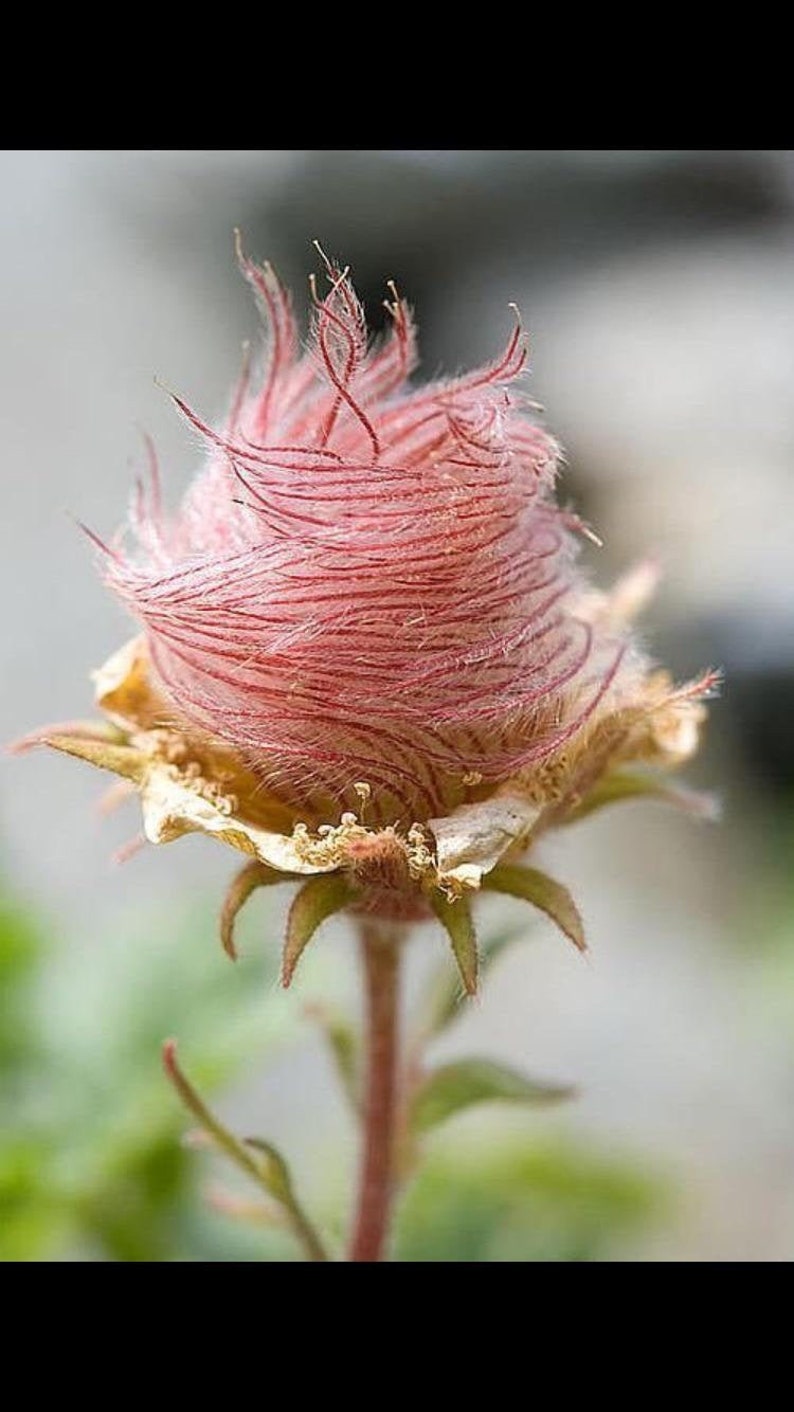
(367, 581)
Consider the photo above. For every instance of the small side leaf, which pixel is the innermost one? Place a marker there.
(628, 784)
(278, 1181)
(319, 898)
(250, 877)
(454, 1087)
(275, 1172)
(264, 1163)
(543, 892)
(457, 919)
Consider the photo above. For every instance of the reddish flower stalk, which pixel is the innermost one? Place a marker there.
(380, 953)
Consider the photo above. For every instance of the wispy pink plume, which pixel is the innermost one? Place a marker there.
(365, 581)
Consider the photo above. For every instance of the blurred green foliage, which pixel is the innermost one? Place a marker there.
(525, 1198)
(92, 1162)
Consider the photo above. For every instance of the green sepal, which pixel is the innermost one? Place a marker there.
(459, 1085)
(629, 784)
(249, 878)
(442, 998)
(457, 919)
(543, 892)
(318, 899)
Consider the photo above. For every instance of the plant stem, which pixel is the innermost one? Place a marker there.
(380, 955)
(304, 1232)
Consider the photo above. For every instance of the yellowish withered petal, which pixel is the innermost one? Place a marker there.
(670, 720)
(624, 601)
(675, 731)
(455, 916)
(123, 689)
(471, 840)
(126, 692)
(172, 808)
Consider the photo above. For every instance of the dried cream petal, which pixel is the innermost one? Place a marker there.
(471, 840)
(614, 608)
(123, 690)
(674, 731)
(172, 808)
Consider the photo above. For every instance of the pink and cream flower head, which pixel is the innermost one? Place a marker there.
(367, 656)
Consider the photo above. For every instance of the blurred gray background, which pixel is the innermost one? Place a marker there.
(658, 289)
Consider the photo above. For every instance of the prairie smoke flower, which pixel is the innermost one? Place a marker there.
(367, 655)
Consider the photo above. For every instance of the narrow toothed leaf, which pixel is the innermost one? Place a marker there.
(457, 919)
(454, 1087)
(543, 892)
(443, 998)
(627, 784)
(249, 878)
(319, 898)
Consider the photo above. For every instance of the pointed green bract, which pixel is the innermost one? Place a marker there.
(543, 892)
(442, 998)
(319, 898)
(249, 878)
(457, 919)
(454, 1087)
(629, 784)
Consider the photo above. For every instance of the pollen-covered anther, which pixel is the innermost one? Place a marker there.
(382, 858)
(421, 855)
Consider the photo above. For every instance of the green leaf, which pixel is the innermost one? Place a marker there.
(459, 1085)
(457, 919)
(275, 1172)
(276, 1176)
(628, 784)
(515, 1196)
(318, 899)
(543, 892)
(250, 877)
